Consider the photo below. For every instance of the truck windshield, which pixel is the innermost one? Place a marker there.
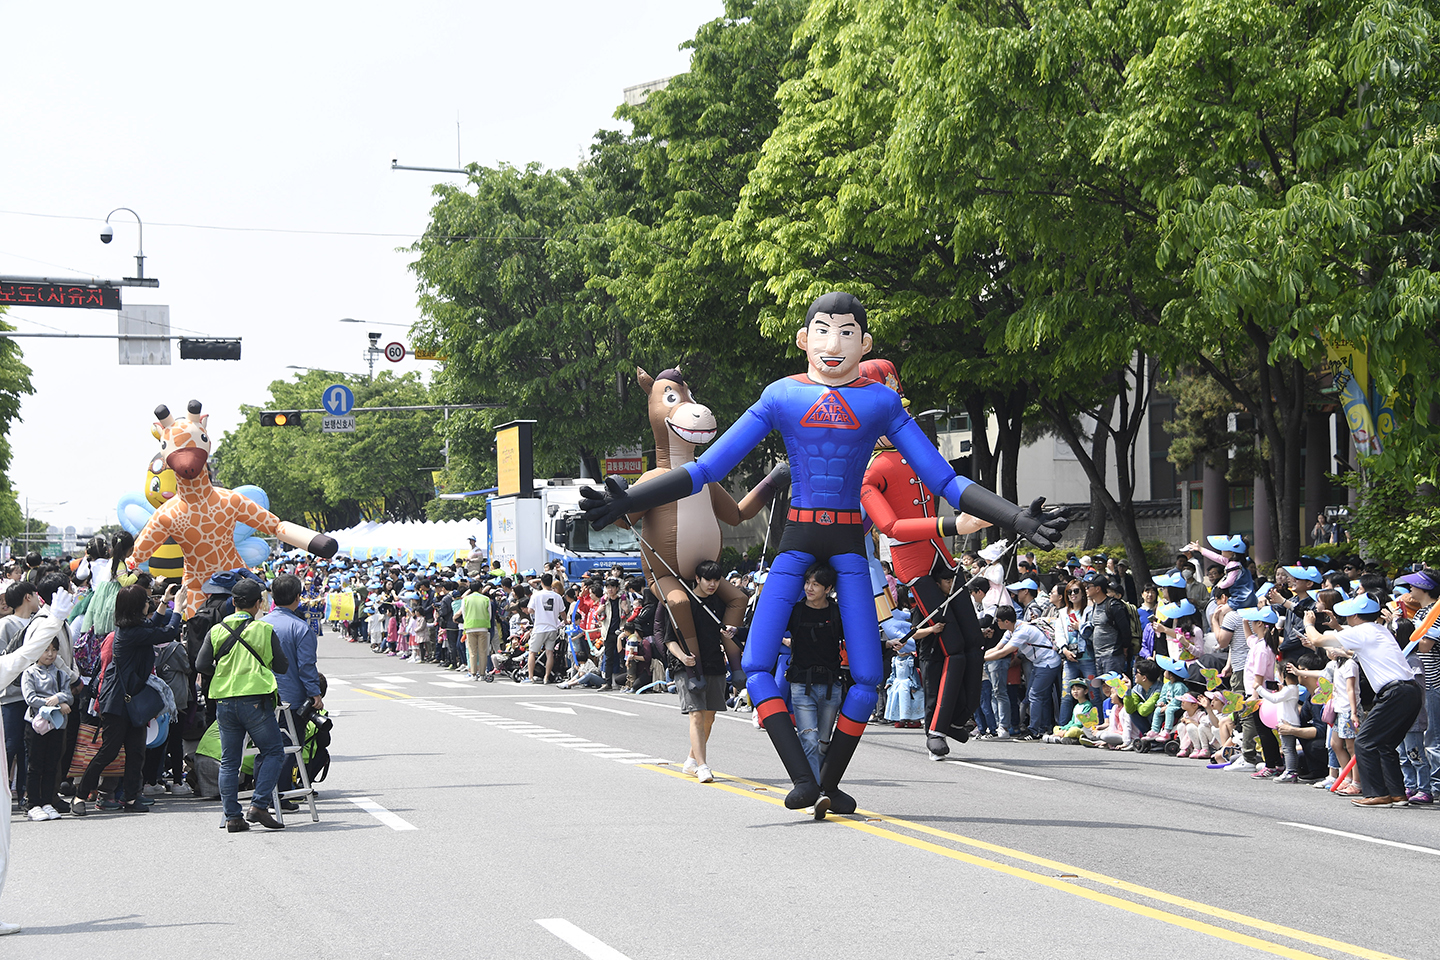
(611, 539)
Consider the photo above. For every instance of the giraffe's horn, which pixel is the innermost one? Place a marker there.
(163, 419)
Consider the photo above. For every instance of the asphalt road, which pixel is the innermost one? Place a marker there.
(496, 820)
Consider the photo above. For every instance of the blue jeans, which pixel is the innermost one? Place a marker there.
(996, 671)
(1041, 697)
(254, 715)
(815, 714)
(1432, 738)
(985, 714)
(1413, 765)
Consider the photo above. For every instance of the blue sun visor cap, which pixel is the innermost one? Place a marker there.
(1177, 667)
(1026, 584)
(1234, 544)
(1308, 574)
(1110, 677)
(1260, 615)
(1364, 603)
(1171, 611)
(1172, 579)
(1264, 590)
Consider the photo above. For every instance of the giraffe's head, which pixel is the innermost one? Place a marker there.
(184, 442)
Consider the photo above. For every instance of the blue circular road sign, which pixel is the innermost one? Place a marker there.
(338, 400)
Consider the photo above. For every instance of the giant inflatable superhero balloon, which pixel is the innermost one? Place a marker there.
(900, 505)
(680, 535)
(829, 418)
(203, 518)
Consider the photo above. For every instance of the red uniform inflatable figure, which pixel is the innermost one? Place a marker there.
(900, 506)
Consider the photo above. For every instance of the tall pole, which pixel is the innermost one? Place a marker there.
(140, 255)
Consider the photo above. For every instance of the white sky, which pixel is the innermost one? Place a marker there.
(282, 116)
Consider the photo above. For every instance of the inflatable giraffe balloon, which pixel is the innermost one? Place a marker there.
(202, 517)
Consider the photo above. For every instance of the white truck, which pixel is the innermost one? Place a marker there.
(524, 533)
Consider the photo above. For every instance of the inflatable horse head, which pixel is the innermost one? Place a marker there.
(679, 423)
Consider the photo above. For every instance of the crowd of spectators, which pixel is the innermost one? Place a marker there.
(1287, 679)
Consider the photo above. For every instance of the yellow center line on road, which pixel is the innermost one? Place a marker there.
(372, 693)
(752, 791)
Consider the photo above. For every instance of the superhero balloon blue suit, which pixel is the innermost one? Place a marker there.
(829, 431)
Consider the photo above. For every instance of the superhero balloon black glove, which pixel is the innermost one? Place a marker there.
(604, 507)
(1039, 526)
(775, 481)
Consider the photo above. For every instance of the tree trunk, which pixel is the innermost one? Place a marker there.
(982, 459)
(1010, 411)
(1131, 420)
(1099, 452)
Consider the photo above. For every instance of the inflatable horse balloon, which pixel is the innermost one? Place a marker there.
(680, 535)
(202, 518)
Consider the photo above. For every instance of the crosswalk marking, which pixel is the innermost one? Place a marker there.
(536, 732)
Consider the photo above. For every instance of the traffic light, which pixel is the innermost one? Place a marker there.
(209, 349)
(280, 418)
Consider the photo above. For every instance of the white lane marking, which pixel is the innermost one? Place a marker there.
(393, 679)
(453, 684)
(1009, 773)
(591, 706)
(384, 816)
(337, 682)
(590, 946)
(1361, 836)
(535, 732)
(540, 706)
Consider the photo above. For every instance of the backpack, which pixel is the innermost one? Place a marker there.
(1135, 631)
(317, 768)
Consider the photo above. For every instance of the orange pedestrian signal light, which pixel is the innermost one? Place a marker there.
(280, 418)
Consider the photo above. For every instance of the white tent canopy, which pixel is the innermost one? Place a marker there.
(434, 541)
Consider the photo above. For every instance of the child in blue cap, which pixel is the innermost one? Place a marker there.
(1236, 581)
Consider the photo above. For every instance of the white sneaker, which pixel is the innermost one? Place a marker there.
(37, 814)
(180, 790)
(703, 774)
(1325, 784)
(1001, 733)
(153, 790)
(690, 765)
(51, 813)
(1241, 765)
(6, 928)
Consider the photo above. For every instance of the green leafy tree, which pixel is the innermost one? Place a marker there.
(387, 459)
(818, 213)
(678, 178)
(504, 268)
(14, 386)
(1290, 152)
(1000, 111)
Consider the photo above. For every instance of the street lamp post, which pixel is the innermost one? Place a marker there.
(107, 233)
(47, 503)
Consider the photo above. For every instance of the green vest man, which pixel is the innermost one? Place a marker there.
(242, 658)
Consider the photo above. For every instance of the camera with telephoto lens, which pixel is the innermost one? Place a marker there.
(307, 714)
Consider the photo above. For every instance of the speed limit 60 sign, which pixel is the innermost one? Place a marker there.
(395, 351)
